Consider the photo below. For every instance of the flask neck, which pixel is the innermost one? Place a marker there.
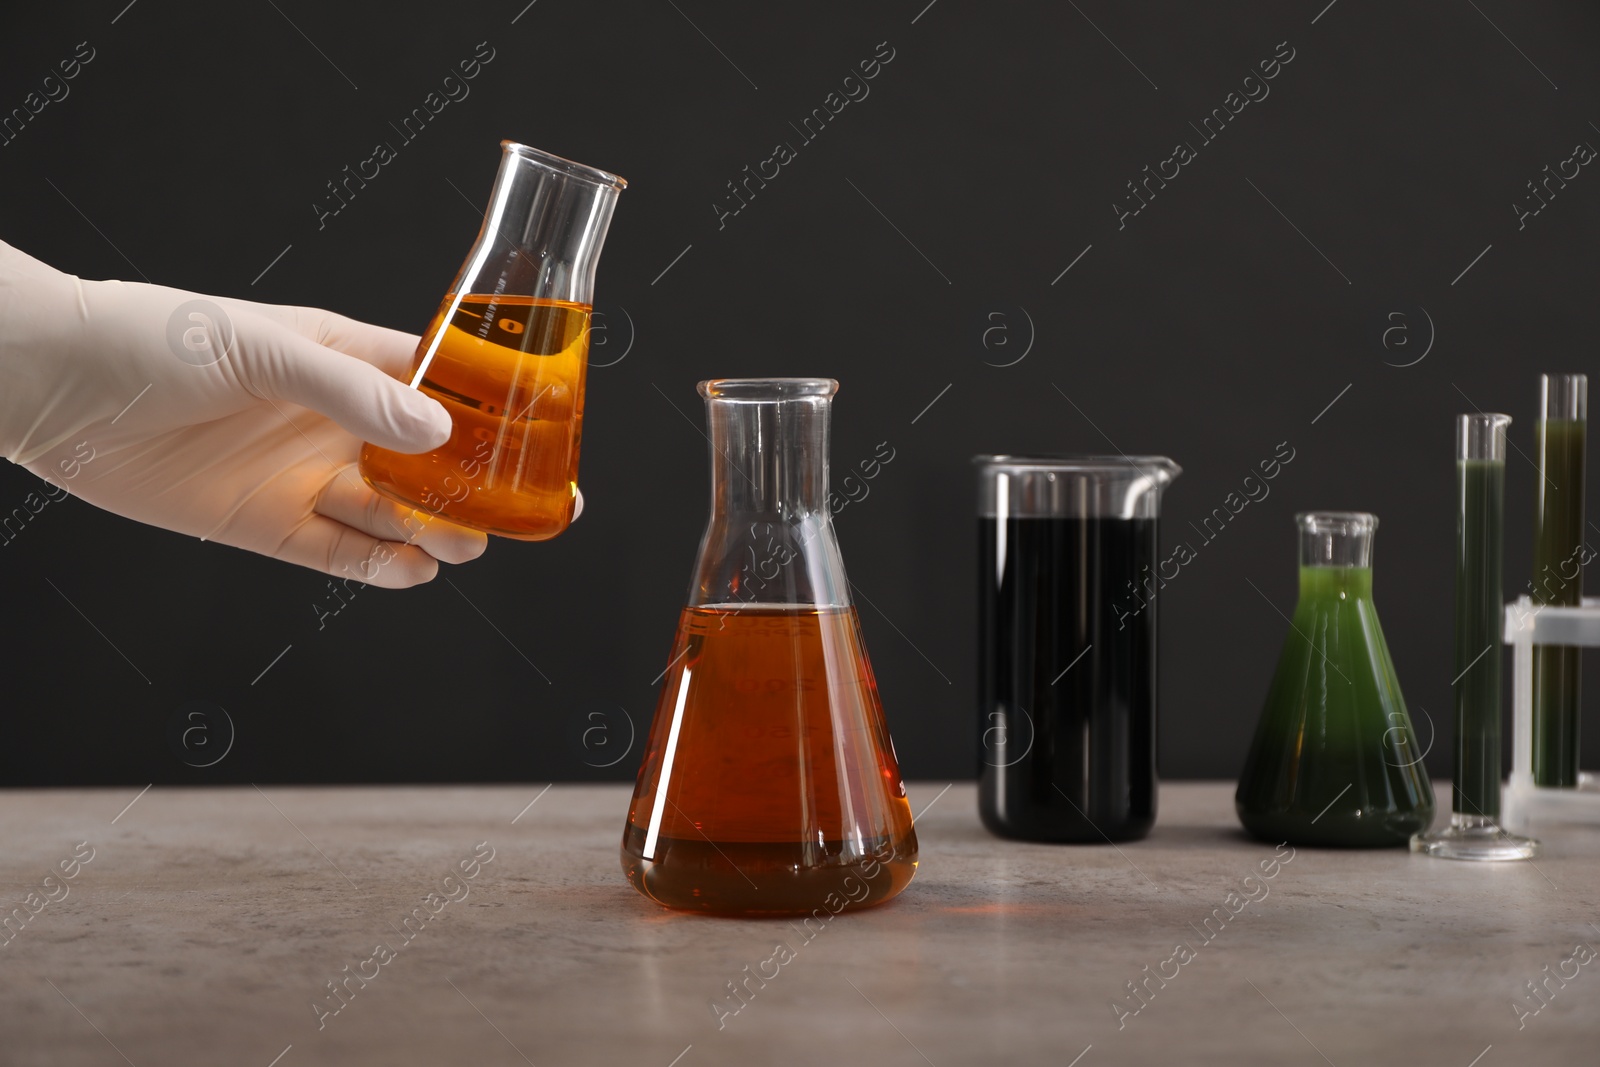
(770, 541)
(1337, 583)
(1336, 538)
(769, 457)
(543, 230)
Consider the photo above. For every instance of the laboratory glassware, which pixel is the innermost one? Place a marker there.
(1334, 760)
(1559, 553)
(769, 784)
(507, 353)
(1068, 584)
(1474, 832)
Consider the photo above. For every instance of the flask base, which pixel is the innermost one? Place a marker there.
(768, 879)
(1474, 837)
(1350, 828)
(539, 525)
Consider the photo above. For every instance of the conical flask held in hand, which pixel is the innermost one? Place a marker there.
(507, 354)
(769, 785)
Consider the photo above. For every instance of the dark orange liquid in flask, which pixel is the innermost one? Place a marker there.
(759, 706)
(506, 354)
(769, 784)
(510, 370)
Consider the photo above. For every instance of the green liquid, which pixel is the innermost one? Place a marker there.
(1334, 760)
(1557, 579)
(1480, 619)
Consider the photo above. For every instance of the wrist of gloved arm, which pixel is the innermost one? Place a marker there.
(45, 377)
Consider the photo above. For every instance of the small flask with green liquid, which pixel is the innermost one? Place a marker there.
(1334, 760)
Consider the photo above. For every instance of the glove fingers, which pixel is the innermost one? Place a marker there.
(326, 545)
(350, 501)
(391, 351)
(277, 363)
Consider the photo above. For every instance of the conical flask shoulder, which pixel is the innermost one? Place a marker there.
(770, 561)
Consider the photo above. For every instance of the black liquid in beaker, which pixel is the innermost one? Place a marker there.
(1067, 677)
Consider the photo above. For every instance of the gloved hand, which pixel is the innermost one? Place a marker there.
(225, 419)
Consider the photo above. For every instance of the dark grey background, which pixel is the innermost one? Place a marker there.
(948, 202)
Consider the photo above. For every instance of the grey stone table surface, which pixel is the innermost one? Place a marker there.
(202, 926)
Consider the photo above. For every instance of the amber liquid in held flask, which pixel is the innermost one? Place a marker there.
(762, 703)
(510, 371)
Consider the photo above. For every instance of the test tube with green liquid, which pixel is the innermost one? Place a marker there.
(1474, 832)
(1559, 553)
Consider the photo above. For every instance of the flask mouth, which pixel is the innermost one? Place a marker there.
(1337, 522)
(1336, 538)
(571, 169)
(767, 390)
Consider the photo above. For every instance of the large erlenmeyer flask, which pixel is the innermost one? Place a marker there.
(507, 353)
(769, 785)
(1334, 761)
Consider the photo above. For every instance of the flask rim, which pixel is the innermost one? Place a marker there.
(767, 390)
(571, 168)
(1336, 522)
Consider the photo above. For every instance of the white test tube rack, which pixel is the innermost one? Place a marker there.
(1524, 805)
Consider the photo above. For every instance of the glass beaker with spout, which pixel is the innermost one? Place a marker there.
(507, 353)
(1334, 760)
(1068, 577)
(769, 785)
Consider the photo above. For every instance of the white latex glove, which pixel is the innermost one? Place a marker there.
(225, 419)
